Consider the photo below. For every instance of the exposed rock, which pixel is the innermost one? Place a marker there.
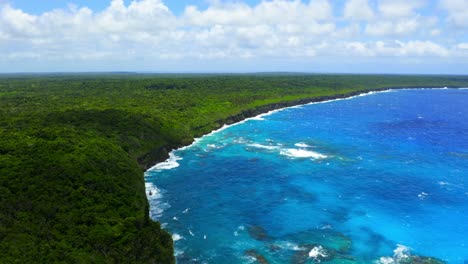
(402, 255)
(422, 260)
(312, 254)
(258, 233)
(258, 257)
(328, 238)
(274, 247)
(316, 253)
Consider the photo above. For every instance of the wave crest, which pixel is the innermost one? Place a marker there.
(301, 153)
(301, 145)
(168, 164)
(400, 254)
(269, 147)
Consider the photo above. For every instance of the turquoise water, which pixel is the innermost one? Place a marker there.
(346, 181)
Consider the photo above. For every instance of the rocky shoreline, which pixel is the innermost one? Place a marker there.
(161, 154)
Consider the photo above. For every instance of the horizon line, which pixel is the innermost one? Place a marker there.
(219, 73)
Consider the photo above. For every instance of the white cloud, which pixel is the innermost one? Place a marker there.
(358, 48)
(400, 18)
(463, 46)
(457, 12)
(397, 48)
(399, 8)
(435, 32)
(219, 15)
(17, 22)
(358, 10)
(391, 28)
(145, 15)
(148, 30)
(406, 26)
(267, 12)
(423, 48)
(319, 9)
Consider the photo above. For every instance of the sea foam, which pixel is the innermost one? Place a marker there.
(301, 145)
(301, 153)
(176, 237)
(400, 254)
(168, 164)
(152, 192)
(157, 208)
(317, 252)
(258, 118)
(154, 196)
(269, 147)
(290, 246)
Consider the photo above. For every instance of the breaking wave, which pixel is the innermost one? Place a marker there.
(301, 153)
(168, 164)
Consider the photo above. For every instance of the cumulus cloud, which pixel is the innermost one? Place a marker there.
(144, 30)
(396, 49)
(407, 26)
(15, 22)
(150, 28)
(457, 12)
(358, 10)
(267, 12)
(463, 46)
(82, 33)
(399, 8)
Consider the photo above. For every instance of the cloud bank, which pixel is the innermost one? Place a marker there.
(147, 35)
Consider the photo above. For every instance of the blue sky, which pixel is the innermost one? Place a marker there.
(176, 6)
(352, 36)
(38, 7)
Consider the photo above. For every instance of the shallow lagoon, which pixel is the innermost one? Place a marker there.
(346, 181)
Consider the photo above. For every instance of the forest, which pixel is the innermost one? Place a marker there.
(73, 149)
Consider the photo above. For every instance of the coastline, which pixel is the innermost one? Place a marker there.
(161, 154)
(171, 160)
(164, 154)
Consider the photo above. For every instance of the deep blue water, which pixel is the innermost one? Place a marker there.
(352, 179)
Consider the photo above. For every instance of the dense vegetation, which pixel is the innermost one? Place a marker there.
(72, 150)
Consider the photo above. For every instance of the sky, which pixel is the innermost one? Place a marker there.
(319, 36)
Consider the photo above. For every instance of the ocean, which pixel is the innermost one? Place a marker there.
(376, 178)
